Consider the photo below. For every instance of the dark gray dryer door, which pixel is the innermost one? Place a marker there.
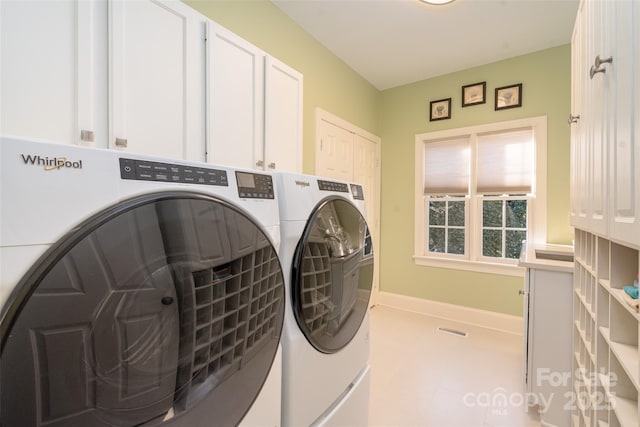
(166, 309)
(332, 275)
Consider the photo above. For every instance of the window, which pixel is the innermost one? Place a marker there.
(480, 191)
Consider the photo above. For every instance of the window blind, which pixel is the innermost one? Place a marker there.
(446, 167)
(505, 162)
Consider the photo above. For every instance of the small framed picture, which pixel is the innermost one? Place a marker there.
(474, 94)
(440, 109)
(508, 97)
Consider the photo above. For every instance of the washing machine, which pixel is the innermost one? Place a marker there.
(327, 258)
(136, 291)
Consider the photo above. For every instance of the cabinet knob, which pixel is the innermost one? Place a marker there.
(121, 143)
(573, 119)
(260, 163)
(521, 292)
(272, 165)
(597, 65)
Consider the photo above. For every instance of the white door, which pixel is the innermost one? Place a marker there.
(283, 117)
(348, 155)
(156, 52)
(235, 100)
(50, 73)
(366, 166)
(336, 151)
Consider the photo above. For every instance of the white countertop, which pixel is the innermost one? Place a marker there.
(547, 257)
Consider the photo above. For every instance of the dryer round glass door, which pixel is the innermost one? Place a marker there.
(332, 275)
(165, 309)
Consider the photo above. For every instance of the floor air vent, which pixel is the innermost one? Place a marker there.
(453, 331)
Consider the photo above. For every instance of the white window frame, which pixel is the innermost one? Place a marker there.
(536, 204)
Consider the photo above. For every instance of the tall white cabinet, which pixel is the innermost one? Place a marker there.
(146, 76)
(605, 210)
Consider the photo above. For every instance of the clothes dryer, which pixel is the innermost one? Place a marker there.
(136, 291)
(328, 278)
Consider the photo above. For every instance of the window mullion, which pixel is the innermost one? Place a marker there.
(474, 227)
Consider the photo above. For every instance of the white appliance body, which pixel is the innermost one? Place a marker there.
(323, 384)
(49, 192)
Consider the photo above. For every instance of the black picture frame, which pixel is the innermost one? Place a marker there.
(508, 97)
(474, 94)
(440, 109)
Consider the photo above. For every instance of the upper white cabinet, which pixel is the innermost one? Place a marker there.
(605, 142)
(254, 115)
(235, 93)
(53, 70)
(625, 146)
(156, 74)
(146, 76)
(109, 74)
(283, 117)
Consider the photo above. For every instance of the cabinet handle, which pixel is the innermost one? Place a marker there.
(595, 68)
(86, 135)
(521, 292)
(573, 119)
(260, 163)
(121, 143)
(272, 165)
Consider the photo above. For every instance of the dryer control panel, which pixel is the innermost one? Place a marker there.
(254, 185)
(144, 170)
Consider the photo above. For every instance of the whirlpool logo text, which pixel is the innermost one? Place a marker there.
(51, 163)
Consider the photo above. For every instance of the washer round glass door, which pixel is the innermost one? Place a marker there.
(164, 309)
(332, 275)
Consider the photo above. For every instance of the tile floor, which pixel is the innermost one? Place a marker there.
(427, 378)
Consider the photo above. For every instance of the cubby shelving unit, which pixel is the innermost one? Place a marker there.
(606, 334)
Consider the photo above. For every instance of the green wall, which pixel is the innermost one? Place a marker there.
(397, 115)
(328, 82)
(545, 76)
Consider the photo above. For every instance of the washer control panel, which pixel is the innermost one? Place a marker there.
(333, 186)
(143, 170)
(254, 185)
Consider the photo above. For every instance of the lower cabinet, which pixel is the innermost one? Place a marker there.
(548, 332)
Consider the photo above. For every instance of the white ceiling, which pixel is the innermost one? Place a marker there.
(395, 42)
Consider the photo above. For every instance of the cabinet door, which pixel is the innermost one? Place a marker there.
(157, 50)
(599, 106)
(50, 73)
(235, 100)
(579, 165)
(283, 117)
(625, 148)
(336, 152)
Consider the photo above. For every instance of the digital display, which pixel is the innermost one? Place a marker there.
(246, 180)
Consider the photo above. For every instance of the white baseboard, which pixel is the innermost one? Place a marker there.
(457, 313)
